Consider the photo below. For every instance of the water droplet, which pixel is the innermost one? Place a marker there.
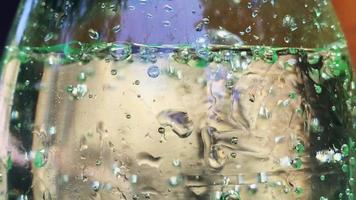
(254, 13)
(262, 177)
(117, 28)
(248, 29)
(116, 170)
(313, 58)
(234, 140)
(82, 77)
(289, 21)
(297, 163)
(48, 37)
(352, 161)
(149, 15)
(337, 157)
(264, 112)
(161, 130)
(113, 72)
(205, 20)
(199, 26)
(298, 190)
(168, 8)
(174, 180)
(40, 158)
(134, 179)
(318, 89)
(345, 150)
(95, 185)
(230, 195)
(128, 116)
(252, 188)
(286, 39)
(143, 2)
(166, 23)
(137, 82)
(293, 95)
(176, 162)
(179, 122)
(94, 35)
(27, 83)
(322, 177)
(315, 126)
(325, 156)
(120, 52)
(52, 130)
(132, 8)
(14, 115)
(98, 162)
(153, 71)
(299, 148)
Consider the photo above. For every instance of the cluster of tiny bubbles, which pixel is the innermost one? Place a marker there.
(79, 90)
(201, 47)
(148, 54)
(240, 61)
(267, 54)
(289, 22)
(201, 23)
(183, 55)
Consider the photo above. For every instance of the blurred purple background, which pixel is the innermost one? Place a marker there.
(7, 14)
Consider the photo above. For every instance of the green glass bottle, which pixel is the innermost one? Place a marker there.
(177, 100)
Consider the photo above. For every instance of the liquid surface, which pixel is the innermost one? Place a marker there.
(110, 121)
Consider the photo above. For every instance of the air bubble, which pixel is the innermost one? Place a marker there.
(166, 23)
(48, 37)
(153, 71)
(168, 8)
(116, 28)
(94, 35)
